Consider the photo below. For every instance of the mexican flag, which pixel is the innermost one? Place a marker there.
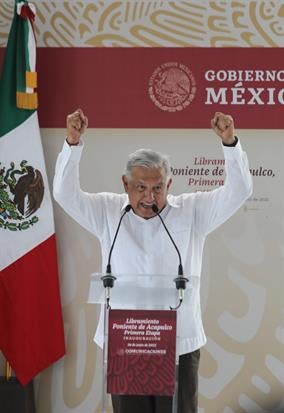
(31, 327)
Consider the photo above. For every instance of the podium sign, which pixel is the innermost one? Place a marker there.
(141, 352)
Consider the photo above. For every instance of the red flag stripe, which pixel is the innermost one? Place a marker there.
(29, 309)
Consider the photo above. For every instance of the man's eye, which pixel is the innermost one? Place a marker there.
(140, 188)
(158, 189)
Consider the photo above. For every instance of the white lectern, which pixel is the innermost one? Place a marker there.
(139, 291)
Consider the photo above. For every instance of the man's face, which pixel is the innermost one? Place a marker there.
(147, 186)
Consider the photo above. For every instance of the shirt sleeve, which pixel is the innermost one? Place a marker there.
(215, 207)
(85, 208)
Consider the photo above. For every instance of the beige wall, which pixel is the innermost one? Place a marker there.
(242, 285)
(201, 23)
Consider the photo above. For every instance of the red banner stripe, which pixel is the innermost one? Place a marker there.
(112, 86)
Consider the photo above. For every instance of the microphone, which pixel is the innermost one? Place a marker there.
(108, 278)
(126, 209)
(180, 280)
(156, 210)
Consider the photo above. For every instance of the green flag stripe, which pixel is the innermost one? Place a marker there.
(22, 56)
(10, 115)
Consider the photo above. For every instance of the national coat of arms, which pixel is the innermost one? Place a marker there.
(21, 194)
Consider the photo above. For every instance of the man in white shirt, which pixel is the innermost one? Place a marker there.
(189, 218)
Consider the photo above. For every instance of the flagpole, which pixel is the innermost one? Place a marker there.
(8, 371)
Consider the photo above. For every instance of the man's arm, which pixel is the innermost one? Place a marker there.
(83, 207)
(215, 207)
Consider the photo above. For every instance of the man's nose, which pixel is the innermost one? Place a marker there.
(149, 195)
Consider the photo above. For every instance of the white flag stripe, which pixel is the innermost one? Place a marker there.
(24, 143)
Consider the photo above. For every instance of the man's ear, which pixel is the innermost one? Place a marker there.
(125, 182)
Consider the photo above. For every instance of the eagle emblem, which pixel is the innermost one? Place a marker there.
(21, 194)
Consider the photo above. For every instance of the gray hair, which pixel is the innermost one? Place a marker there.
(149, 159)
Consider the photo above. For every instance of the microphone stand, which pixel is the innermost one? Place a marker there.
(108, 279)
(181, 280)
(108, 282)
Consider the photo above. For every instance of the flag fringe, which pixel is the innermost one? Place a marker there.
(31, 79)
(27, 100)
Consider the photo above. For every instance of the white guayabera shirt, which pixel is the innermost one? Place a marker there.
(143, 246)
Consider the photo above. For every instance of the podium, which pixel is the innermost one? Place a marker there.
(139, 292)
